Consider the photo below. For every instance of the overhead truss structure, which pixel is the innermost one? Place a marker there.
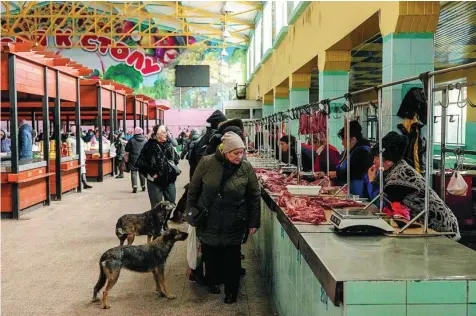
(146, 24)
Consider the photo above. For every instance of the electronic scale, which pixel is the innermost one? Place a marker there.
(358, 221)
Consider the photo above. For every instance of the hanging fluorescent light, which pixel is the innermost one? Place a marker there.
(224, 52)
(225, 33)
(226, 8)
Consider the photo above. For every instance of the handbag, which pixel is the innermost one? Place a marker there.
(173, 171)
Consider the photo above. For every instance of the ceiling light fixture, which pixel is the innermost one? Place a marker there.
(226, 8)
(225, 33)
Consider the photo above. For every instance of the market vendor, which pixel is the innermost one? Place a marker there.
(319, 146)
(288, 143)
(6, 142)
(402, 183)
(360, 160)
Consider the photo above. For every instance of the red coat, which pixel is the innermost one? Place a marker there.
(320, 162)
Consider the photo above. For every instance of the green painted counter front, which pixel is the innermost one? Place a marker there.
(293, 285)
(296, 290)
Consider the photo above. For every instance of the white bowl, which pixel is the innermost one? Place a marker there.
(310, 190)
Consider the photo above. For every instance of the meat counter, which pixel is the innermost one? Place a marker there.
(311, 270)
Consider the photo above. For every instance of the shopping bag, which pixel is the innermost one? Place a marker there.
(457, 185)
(192, 247)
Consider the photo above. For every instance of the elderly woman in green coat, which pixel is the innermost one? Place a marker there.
(224, 194)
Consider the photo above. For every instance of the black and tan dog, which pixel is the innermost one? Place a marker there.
(149, 223)
(150, 257)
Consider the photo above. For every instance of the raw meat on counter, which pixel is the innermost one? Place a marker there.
(276, 182)
(310, 209)
(301, 209)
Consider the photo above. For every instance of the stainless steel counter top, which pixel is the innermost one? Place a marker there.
(380, 258)
(336, 258)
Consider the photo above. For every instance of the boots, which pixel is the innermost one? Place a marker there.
(85, 182)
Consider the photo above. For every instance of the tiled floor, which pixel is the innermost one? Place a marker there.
(50, 262)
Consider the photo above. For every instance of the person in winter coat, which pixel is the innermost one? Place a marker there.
(25, 141)
(402, 183)
(72, 139)
(360, 160)
(133, 149)
(226, 187)
(120, 145)
(199, 149)
(186, 145)
(153, 163)
(196, 153)
(6, 142)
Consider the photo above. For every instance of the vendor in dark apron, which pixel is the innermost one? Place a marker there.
(360, 161)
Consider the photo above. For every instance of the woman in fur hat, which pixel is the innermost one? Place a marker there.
(402, 183)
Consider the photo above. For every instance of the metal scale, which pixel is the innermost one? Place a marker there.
(358, 221)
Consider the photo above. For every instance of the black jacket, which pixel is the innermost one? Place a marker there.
(134, 147)
(154, 158)
(185, 154)
(120, 152)
(232, 196)
(199, 150)
(416, 144)
(413, 103)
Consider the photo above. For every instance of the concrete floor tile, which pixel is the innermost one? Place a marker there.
(50, 262)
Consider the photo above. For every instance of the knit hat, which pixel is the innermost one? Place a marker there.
(394, 146)
(216, 118)
(231, 141)
(138, 130)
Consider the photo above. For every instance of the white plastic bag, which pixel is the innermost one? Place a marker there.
(457, 185)
(192, 247)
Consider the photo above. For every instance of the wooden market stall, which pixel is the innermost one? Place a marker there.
(102, 101)
(32, 81)
(156, 110)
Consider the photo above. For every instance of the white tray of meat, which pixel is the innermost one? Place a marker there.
(309, 190)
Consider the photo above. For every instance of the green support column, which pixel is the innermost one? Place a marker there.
(268, 109)
(280, 104)
(404, 55)
(281, 99)
(268, 104)
(334, 84)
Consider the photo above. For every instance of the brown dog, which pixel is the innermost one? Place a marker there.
(150, 257)
(150, 223)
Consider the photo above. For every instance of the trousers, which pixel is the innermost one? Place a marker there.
(159, 192)
(134, 179)
(223, 264)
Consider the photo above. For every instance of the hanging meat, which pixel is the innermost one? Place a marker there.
(318, 124)
(304, 122)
